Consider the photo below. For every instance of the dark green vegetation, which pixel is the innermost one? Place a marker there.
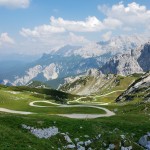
(47, 94)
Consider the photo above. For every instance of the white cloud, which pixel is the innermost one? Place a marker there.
(15, 3)
(47, 43)
(106, 36)
(111, 23)
(119, 19)
(90, 24)
(60, 32)
(133, 15)
(76, 39)
(44, 30)
(59, 25)
(5, 39)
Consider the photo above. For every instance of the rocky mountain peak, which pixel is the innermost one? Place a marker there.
(124, 64)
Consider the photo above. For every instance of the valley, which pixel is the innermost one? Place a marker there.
(87, 110)
(115, 125)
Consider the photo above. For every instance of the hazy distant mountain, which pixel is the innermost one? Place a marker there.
(13, 64)
(19, 57)
(72, 60)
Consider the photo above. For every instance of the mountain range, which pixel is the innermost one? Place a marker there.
(117, 55)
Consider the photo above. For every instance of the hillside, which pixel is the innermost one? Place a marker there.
(94, 82)
(46, 130)
(137, 91)
(40, 93)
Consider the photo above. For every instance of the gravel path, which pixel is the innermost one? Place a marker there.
(34, 105)
(15, 112)
(87, 116)
(78, 116)
(78, 100)
(109, 93)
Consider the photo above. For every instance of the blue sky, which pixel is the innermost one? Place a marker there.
(36, 26)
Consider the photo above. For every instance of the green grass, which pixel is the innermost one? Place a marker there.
(20, 101)
(115, 83)
(131, 119)
(44, 104)
(12, 135)
(58, 96)
(109, 98)
(118, 83)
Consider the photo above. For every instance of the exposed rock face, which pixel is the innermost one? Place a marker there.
(144, 58)
(49, 72)
(141, 85)
(122, 64)
(143, 141)
(136, 62)
(30, 74)
(93, 72)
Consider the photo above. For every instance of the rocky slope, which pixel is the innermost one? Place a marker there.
(124, 64)
(94, 82)
(84, 84)
(139, 90)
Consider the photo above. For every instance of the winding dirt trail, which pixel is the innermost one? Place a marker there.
(15, 111)
(78, 100)
(34, 105)
(77, 116)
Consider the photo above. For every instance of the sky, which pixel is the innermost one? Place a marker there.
(38, 26)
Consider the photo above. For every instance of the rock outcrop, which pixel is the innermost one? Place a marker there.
(139, 89)
(125, 64)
